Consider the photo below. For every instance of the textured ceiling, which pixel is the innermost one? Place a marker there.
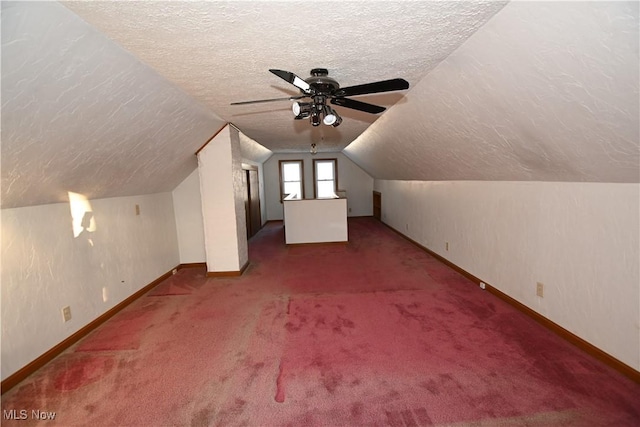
(545, 91)
(115, 101)
(80, 114)
(220, 52)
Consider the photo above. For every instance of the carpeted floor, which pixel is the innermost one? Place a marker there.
(375, 332)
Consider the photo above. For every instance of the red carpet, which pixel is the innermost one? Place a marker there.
(375, 332)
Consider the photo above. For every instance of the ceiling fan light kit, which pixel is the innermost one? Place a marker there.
(331, 117)
(321, 88)
(301, 110)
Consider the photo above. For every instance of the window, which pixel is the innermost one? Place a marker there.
(291, 179)
(325, 177)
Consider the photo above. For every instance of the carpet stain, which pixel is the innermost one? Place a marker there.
(203, 417)
(320, 321)
(408, 419)
(340, 323)
(174, 316)
(84, 371)
(331, 381)
(394, 419)
(280, 385)
(125, 331)
(418, 417)
(357, 409)
(404, 311)
(290, 327)
(431, 386)
(423, 417)
(255, 371)
(229, 414)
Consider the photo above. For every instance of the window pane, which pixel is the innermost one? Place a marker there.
(291, 171)
(293, 188)
(326, 189)
(324, 170)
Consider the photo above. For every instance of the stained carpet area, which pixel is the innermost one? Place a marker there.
(375, 332)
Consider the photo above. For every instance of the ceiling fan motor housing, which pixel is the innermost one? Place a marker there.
(319, 72)
(321, 82)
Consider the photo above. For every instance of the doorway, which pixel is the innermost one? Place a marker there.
(253, 213)
(377, 205)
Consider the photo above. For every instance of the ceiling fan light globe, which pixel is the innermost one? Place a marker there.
(301, 110)
(330, 119)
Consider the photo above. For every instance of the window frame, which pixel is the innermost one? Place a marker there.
(335, 175)
(281, 164)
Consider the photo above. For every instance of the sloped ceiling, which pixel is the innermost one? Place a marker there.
(113, 98)
(82, 115)
(545, 91)
(220, 52)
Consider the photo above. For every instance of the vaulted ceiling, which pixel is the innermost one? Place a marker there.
(220, 52)
(113, 98)
(545, 91)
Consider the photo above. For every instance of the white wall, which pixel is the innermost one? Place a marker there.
(581, 240)
(187, 206)
(225, 232)
(45, 268)
(315, 221)
(351, 178)
(239, 193)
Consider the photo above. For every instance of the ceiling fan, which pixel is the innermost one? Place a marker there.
(321, 88)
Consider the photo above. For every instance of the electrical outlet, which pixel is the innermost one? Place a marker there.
(540, 290)
(483, 285)
(174, 271)
(66, 313)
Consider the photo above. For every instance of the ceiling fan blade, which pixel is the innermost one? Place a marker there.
(291, 98)
(382, 86)
(357, 105)
(292, 78)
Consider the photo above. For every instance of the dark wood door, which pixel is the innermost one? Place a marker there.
(377, 205)
(253, 214)
(247, 205)
(254, 202)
